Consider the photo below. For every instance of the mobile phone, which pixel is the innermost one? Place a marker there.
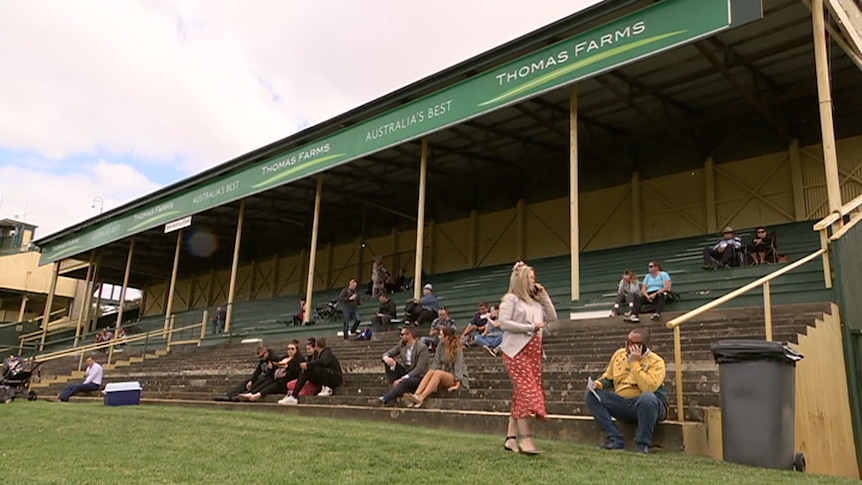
(535, 291)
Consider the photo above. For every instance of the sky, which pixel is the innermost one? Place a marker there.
(105, 102)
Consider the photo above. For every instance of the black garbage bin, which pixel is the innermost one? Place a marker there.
(758, 394)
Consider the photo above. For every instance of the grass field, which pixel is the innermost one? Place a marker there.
(80, 443)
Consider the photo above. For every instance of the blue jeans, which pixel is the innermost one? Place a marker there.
(646, 410)
(492, 341)
(351, 316)
(73, 389)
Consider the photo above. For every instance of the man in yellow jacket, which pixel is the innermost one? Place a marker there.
(631, 389)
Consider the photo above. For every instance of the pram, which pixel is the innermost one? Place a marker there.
(15, 381)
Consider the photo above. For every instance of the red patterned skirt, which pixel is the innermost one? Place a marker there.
(525, 369)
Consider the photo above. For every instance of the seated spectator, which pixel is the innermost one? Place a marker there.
(263, 374)
(299, 317)
(627, 292)
(288, 370)
(425, 310)
(724, 253)
(398, 283)
(385, 313)
(441, 322)
(654, 290)
(406, 375)
(310, 388)
(92, 381)
(762, 247)
(324, 370)
(476, 325)
(447, 370)
(492, 334)
(631, 389)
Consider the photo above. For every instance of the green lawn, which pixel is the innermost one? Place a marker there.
(81, 443)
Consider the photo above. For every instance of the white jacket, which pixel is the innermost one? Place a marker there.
(517, 319)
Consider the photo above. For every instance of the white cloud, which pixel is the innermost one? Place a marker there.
(195, 83)
(55, 201)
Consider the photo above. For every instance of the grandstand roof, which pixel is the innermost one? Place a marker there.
(744, 91)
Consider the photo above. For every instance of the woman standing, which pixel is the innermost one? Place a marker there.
(447, 369)
(524, 312)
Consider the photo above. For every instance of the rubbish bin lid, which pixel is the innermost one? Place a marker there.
(726, 351)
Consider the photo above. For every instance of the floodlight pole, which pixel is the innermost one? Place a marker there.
(420, 221)
(312, 253)
(46, 314)
(574, 223)
(169, 306)
(824, 96)
(234, 268)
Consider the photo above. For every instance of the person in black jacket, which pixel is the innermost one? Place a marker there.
(385, 313)
(288, 370)
(263, 373)
(324, 370)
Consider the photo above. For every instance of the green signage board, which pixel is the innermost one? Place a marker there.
(657, 28)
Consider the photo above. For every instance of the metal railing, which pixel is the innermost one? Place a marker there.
(830, 229)
(166, 338)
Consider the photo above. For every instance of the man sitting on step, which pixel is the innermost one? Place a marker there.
(632, 390)
(92, 382)
(324, 370)
(406, 375)
(263, 374)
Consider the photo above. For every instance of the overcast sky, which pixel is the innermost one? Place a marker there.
(103, 102)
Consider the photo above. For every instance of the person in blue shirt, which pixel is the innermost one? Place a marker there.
(654, 290)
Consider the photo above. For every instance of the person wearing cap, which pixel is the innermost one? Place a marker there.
(426, 308)
(722, 254)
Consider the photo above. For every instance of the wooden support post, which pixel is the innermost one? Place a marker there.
(276, 267)
(79, 330)
(797, 181)
(767, 309)
(204, 325)
(637, 216)
(473, 254)
(824, 95)
(125, 285)
(23, 309)
(49, 302)
(170, 333)
(315, 229)
(709, 193)
(574, 221)
(98, 307)
(521, 230)
(420, 221)
(234, 268)
(172, 287)
(677, 359)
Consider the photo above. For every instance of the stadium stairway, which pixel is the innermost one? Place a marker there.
(575, 350)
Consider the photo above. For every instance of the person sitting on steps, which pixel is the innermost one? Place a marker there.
(654, 290)
(627, 292)
(324, 370)
(263, 375)
(723, 254)
(631, 389)
(762, 247)
(288, 370)
(447, 369)
(404, 376)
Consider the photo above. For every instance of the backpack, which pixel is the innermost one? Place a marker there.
(365, 335)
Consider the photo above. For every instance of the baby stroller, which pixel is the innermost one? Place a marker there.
(15, 382)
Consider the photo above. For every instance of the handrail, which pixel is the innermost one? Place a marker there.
(765, 282)
(845, 229)
(745, 289)
(836, 216)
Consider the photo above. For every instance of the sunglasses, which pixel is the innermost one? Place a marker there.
(761, 232)
(291, 348)
(651, 266)
(405, 333)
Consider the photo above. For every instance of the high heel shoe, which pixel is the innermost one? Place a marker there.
(532, 452)
(516, 449)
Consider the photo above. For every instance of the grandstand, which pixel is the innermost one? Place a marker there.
(639, 154)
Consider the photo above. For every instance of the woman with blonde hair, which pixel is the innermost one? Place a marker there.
(447, 369)
(524, 312)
